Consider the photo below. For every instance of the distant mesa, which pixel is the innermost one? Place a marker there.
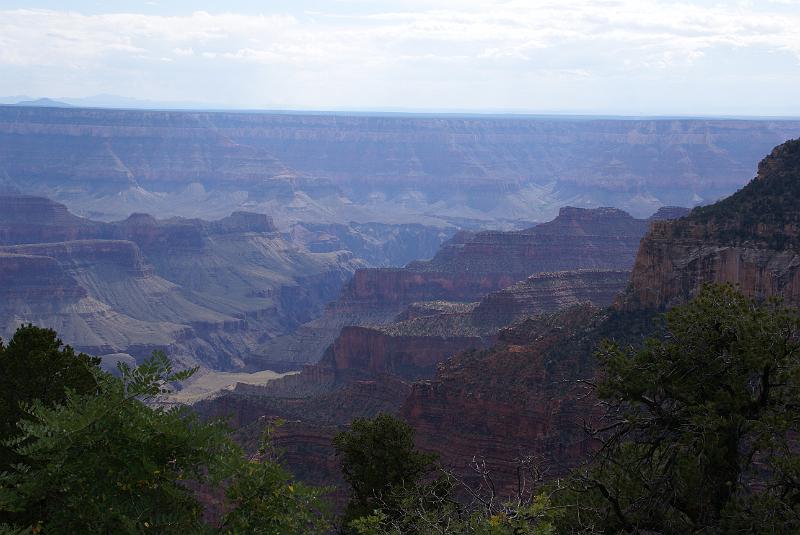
(335, 169)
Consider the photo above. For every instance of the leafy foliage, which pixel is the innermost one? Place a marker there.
(109, 463)
(435, 508)
(397, 490)
(267, 500)
(532, 519)
(378, 459)
(114, 461)
(701, 425)
(36, 365)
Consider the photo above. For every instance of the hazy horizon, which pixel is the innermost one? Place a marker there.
(120, 102)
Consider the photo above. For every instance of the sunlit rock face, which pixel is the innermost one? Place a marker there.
(391, 169)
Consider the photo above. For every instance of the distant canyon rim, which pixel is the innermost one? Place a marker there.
(465, 171)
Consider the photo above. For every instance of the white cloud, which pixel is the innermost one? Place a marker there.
(429, 42)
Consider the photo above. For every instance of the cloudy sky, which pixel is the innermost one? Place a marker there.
(565, 56)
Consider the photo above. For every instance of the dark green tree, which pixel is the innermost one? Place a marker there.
(36, 365)
(380, 463)
(117, 461)
(701, 425)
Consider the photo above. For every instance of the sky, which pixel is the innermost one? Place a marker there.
(620, 57)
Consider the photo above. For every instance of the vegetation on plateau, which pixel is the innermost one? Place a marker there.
(701, 426)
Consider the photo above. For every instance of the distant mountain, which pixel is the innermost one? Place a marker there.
(107, 101)
(44, 103)
(116, 101)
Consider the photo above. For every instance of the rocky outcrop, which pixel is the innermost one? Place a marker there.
(35, 279)
(602, 238)
(523, 397)
(29, 219)
(547, 292)
(751, 239)
(122, 256)
(472, 265)
(363, 351)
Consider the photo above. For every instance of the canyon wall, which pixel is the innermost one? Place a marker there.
(207, 292)
(471, 265)
(524, 397)
(751, 239)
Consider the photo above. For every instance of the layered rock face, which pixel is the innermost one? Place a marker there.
(29, 219)
(89, 292)
(369, 369)
(547, 292)
(109, 163)
(36, 279)
(750, 239)
(361, 351)
(471, 265)
(522, 397)
(208, 292)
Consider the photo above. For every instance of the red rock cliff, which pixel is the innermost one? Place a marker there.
(750, 239)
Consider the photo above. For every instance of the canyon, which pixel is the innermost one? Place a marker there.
(533, 403)
(467, 171)
(519, 392)
(417, 321)
(456, 271)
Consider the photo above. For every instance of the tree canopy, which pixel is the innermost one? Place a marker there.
(378, 459)
(700, 434)
(36, 365)
(113, 460)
